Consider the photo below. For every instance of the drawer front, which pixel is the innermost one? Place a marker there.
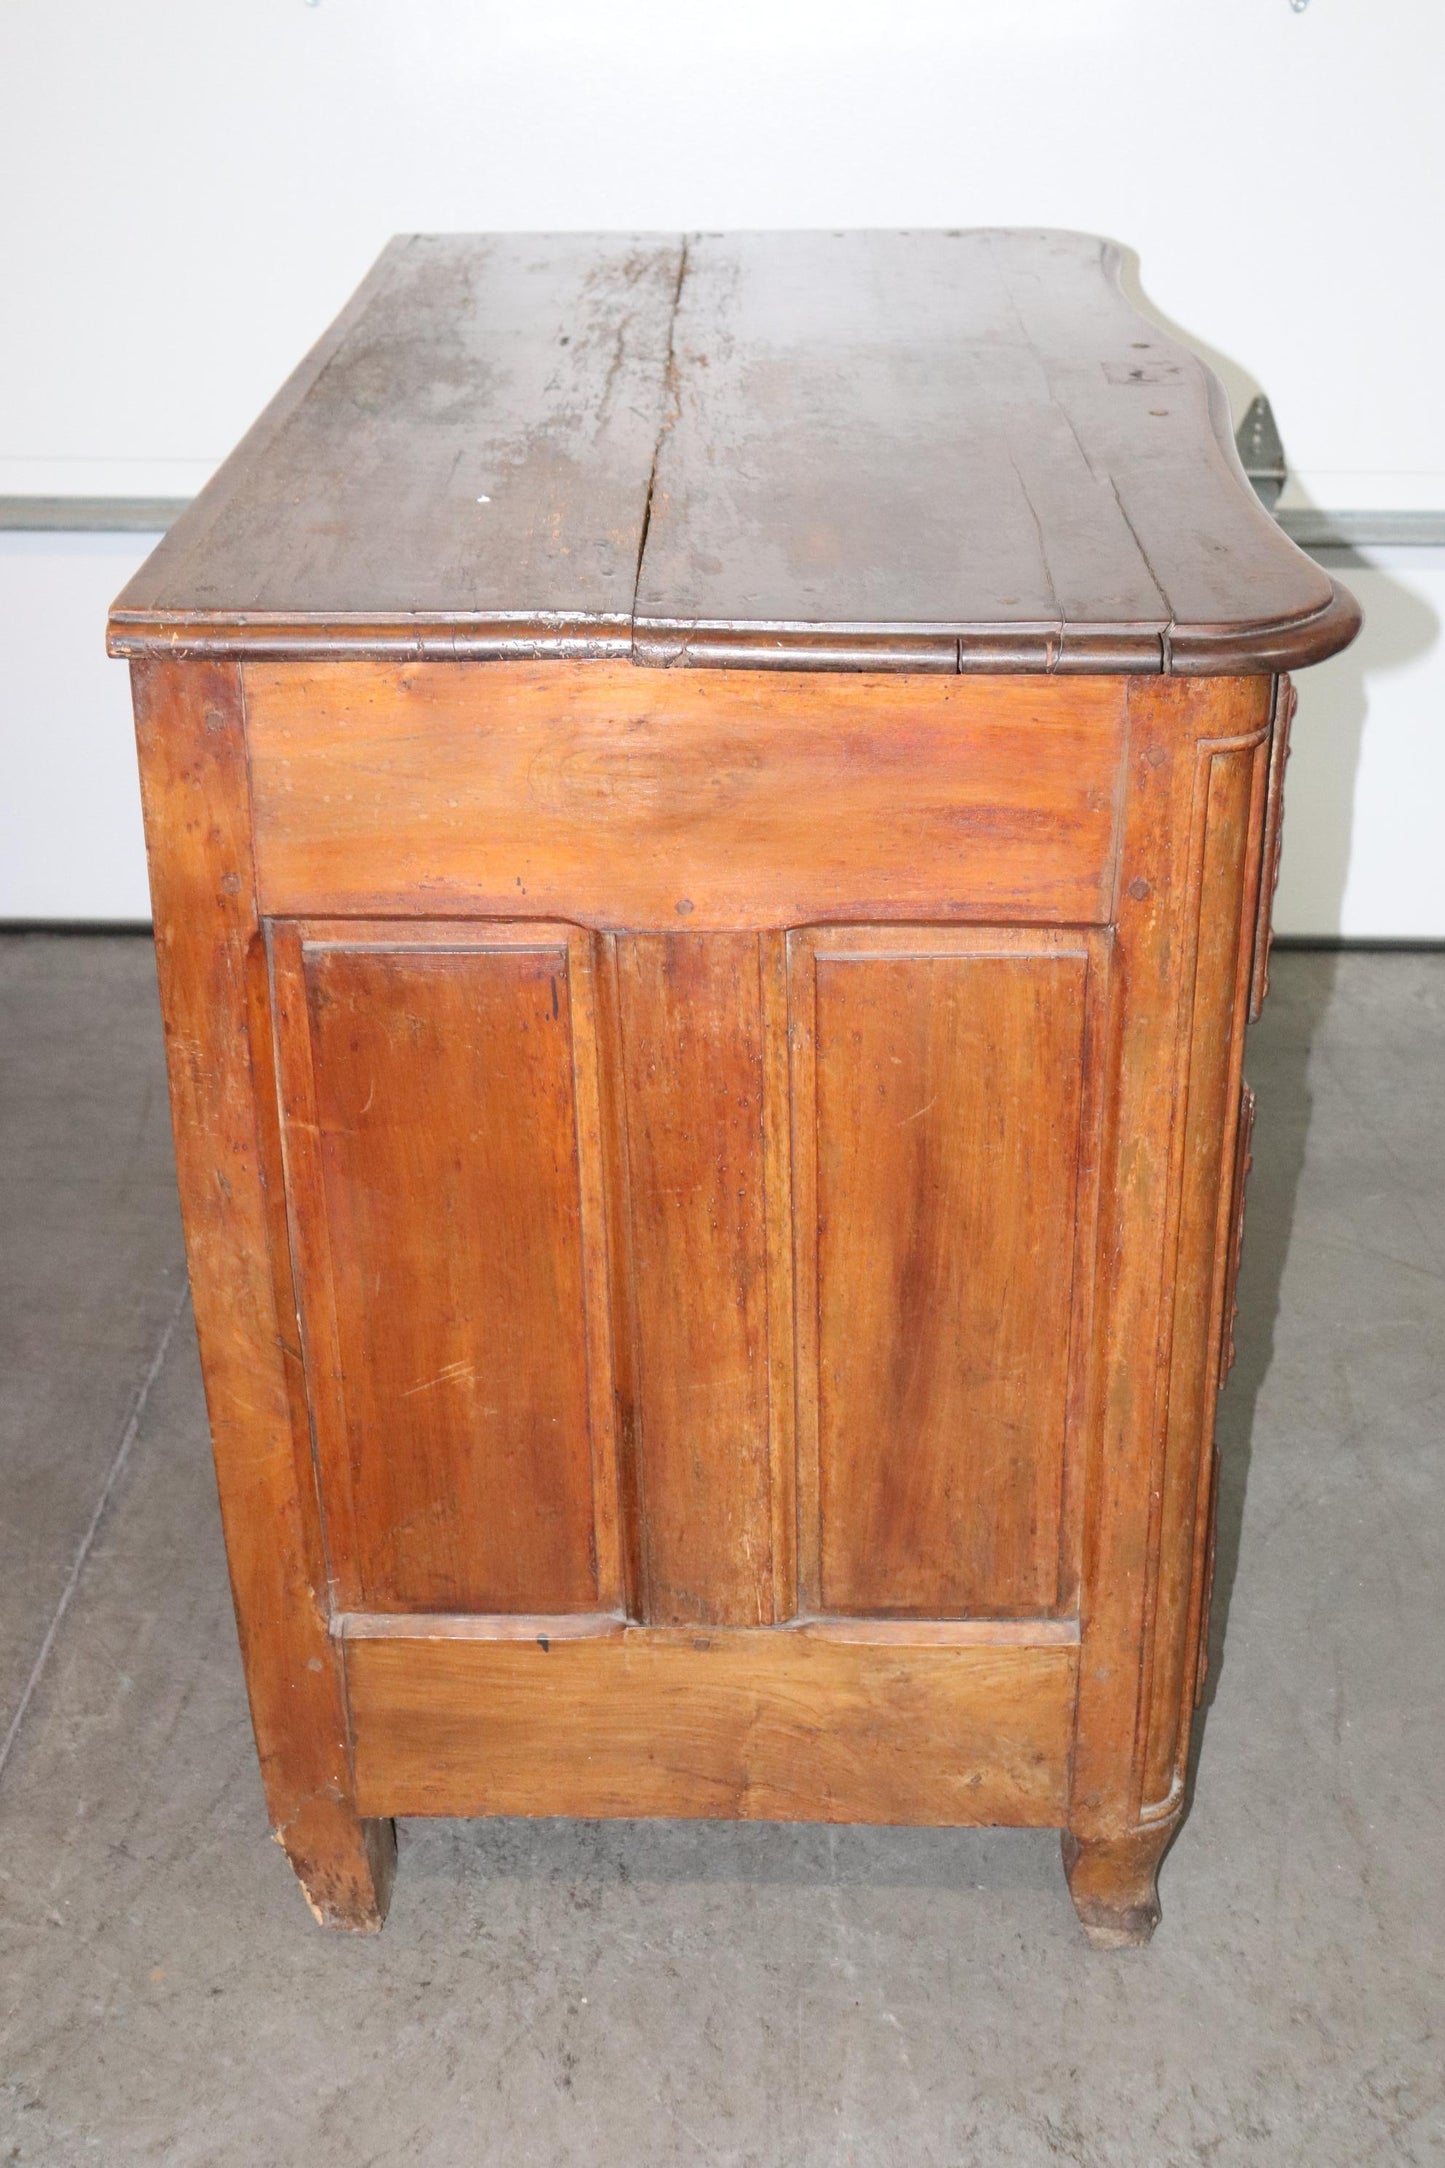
(654, 800)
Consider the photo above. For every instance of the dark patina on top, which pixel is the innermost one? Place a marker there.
(902, 451)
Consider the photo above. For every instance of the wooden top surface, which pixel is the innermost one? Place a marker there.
(920, 451)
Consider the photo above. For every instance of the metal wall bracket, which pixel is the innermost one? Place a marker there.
(1261, 452)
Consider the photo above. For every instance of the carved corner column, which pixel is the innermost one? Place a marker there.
(1188, 886)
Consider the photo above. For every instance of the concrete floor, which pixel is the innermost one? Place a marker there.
(654, 1994)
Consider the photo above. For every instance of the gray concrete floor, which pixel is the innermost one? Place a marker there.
(552, 1993)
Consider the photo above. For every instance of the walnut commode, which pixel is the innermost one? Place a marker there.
(712, 807)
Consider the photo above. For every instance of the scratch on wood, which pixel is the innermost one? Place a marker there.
(450, 1374)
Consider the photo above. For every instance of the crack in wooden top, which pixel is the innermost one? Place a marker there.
(882, 451)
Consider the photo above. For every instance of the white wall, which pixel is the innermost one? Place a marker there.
(192, 187)
(70, 829)
(1365, 801)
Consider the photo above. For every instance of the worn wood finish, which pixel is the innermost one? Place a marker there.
(692, 1068)
(622, 799)
(746, 1725)
(467, 450)
(963, 450)
(1114, 1882)
(779, 1211)
(883, 451)
(1227, 819)
(211, 963)
(946, 1093)
(1188, 871)
(439, 1165)
(713, 1193)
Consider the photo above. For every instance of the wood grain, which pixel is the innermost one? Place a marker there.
(887, 451)
(440, 1227)
(778, 1225)
(473, 438)
(1176, 730)
(885, 454)
(692, 1089)
(949, 1367)
(742, 1725)
(212, 969)
(718, 800)
(942, 1090)
(1224, 866)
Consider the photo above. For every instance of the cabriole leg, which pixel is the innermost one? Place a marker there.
(1114, 1882)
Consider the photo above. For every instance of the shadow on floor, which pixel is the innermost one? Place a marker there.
(1277, 1065)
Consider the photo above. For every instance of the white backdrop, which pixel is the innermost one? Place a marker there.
(192, 187)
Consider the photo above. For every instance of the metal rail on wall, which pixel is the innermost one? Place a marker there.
(1261, 453)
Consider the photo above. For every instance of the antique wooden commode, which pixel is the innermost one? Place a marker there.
(712, 807)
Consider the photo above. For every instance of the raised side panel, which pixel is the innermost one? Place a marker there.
(443, 1159)
(636, 801)
(767, 1724)
(945, 1129)
(691, 1008)
(212, 967)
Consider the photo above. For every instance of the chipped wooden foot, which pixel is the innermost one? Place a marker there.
(1114, 1884)
(345, 1865)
